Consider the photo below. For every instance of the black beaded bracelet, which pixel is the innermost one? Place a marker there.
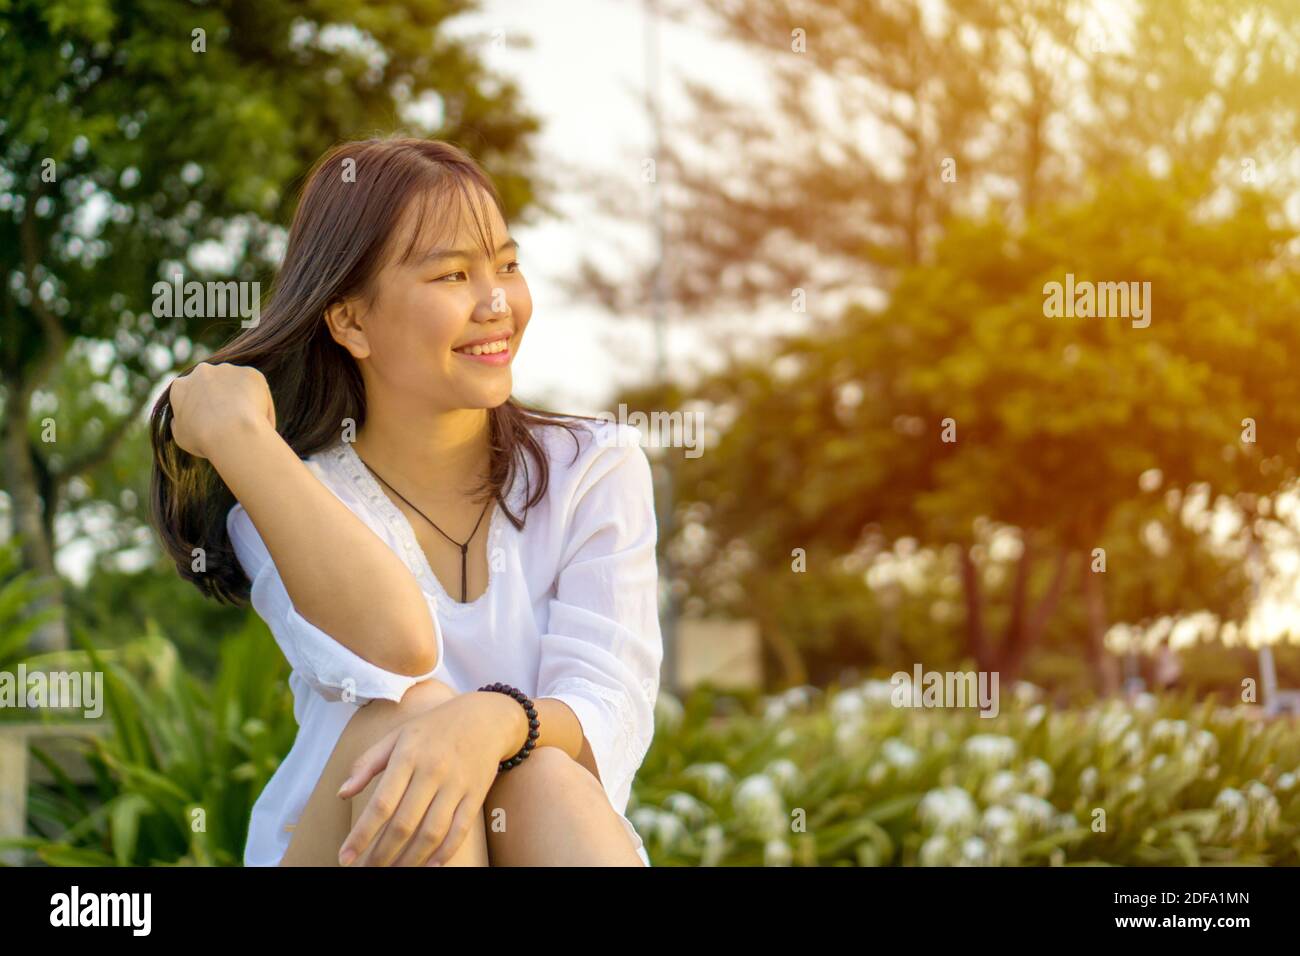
(533, 725)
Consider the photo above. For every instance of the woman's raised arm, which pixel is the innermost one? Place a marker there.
(340, 575)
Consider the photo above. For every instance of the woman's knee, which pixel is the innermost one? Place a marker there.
(427, 693)
(379, 716)
(546, 770)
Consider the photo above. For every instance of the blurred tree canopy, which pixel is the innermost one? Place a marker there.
(1054, 425)
(143, 139)
(977, 152)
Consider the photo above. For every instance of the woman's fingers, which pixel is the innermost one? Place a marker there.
(461, 822)
(364, 768)
(433, 828)
(405, 823)
(383, 804)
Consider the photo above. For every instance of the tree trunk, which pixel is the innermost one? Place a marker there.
(976, 638)
(1105, 669)
(37, 549)
(766, 611)
(794, 672)
(1013, 638)
(1033, 625)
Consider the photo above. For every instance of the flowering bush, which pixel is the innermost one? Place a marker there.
(806, 778)
(845, 778)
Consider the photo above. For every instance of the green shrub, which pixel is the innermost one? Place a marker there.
(810, 778)
(852, 780)
(175, 780)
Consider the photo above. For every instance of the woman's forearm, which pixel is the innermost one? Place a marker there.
(340, 575)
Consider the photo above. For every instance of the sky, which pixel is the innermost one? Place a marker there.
(585, 77)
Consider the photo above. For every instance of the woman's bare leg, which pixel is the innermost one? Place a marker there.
(327, 819)
(551, 811)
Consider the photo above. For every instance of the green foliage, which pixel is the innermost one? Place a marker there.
(1075, 433)
(116, 606)
(853, 780)
(18, 590)
(729, 777)
(175, 781)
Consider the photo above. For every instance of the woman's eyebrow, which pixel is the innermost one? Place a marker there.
(434, 255)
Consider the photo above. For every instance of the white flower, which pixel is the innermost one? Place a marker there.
(898, 754)
(948, 810)
(668, 829)
(847, 704)
(1040, 777)
(936, 851)
(800, 698)
(644, 819)
(1234, 811)
(758, 802)
(775, 710)
(1034, 715)
(851, 736)
(669, 712)
(1134, 784)
(1131, 746)
(1064, 821)
(1113, 723)
(1286, 782)
(686, 807)
(785, 737)
(1088, 780)
(777, 853)
(1169, 731)
(716, 778)
(999, 787)
(784, 773)
(715, 845)
(1145, 702)
(1207, 745)
(1264, 809)
(1026, 693)
(999, 824)
(1035, 812)
(880, 693)
(974, 852)
(1158, 761)
(990, 750)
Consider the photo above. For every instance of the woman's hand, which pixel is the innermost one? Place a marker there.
(437, 770)
(210, 399)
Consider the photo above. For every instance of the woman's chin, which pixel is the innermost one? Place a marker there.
(489, 397)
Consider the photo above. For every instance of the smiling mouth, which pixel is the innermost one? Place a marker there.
(490, 348)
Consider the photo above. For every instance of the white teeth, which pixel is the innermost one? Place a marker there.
(490, 349)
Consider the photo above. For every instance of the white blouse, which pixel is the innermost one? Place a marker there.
(571, 612)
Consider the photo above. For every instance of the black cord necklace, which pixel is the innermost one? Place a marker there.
(464, 548)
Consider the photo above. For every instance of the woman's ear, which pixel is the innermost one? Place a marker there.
(344, 321)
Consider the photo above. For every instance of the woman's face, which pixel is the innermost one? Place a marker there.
(414, 340)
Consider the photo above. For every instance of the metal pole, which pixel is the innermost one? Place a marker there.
(668, 614)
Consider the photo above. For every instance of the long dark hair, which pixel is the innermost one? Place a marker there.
(338, 241)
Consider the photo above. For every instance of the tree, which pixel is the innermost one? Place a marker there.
(137, 139)
(962, 402)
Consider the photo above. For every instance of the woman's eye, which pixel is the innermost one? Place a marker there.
(451, 275)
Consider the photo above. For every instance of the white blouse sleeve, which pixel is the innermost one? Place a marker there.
(602, 648)
(329, 668)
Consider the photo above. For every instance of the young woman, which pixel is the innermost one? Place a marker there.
(355, 467)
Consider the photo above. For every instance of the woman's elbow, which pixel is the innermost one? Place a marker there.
(419, 656)
(416, 653)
